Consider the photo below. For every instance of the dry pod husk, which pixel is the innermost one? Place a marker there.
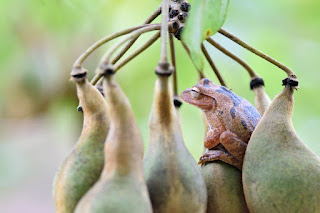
(173, 177)
(121, 187)
(262, 100)
(224, 186)
(83, 166)
(280, 173)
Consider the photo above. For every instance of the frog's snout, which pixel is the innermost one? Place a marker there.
(185, 95)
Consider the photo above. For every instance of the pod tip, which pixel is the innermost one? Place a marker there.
(78, 73)
(106, 69)
(256, 82)
(292, 82)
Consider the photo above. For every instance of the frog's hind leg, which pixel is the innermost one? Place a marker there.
(213, 155)
(233, 144)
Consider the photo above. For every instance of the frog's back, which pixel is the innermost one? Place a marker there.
(243, 118)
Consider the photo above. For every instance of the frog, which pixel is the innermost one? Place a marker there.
(231, 120)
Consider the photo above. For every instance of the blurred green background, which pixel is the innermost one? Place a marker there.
(40, 40)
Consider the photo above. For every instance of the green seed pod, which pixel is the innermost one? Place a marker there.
(280, 173)
(83, 166)
(121, 187)
(173, 177)
(262, 100)
(224, 186)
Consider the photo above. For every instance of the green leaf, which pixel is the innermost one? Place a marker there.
(206, 18)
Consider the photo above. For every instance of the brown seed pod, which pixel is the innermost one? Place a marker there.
(173, 178)
(280, 173)
(83, 166)
(224, 188)
(262, 100)
(121, 187)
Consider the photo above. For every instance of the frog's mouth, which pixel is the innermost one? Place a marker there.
(187, 97)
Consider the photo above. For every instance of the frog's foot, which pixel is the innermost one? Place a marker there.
(233, 144)
(213, 155)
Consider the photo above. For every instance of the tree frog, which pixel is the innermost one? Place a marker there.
(231, 120)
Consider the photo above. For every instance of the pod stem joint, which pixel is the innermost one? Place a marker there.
(78, 74)
(292, 82)
(163, 69)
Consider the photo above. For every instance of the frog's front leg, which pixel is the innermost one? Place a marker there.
(233, 144)
(213, 137)
(213, 155)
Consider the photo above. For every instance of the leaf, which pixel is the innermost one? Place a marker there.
(206, 18)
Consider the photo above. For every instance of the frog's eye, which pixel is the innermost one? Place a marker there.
(195, 92)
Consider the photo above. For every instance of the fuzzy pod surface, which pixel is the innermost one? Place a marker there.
(224, 187)
(280, 173)
(121, 187)
(83, 166)
(173, 177)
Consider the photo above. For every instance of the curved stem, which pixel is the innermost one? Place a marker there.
(251, 72)
(201, 74)
(78, 63)
(134, 35)
(213, 66)
(154, 38)
(258, 53)
(164, 32)
(173, 62)
(153, 16)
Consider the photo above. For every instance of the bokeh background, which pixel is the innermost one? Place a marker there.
(40, 40)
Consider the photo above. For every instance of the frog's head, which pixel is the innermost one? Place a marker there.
(201, 95)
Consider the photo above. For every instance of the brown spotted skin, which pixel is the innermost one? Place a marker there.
(231, 119)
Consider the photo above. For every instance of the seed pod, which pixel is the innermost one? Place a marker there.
(224, 188)
(280, 173)
(121, 187)
(83, 166)
(262, 100)
(173, 178)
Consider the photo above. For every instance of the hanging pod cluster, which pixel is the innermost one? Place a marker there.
(280, 174)
(82, 168)
(106, 171)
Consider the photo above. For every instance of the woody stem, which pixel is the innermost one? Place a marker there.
(147, 44)
(78, 63)
(213, 66)
(153, 16)
(289, 72)
(173, 61)
(201, 74)
(164, 31)
(233, 56)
